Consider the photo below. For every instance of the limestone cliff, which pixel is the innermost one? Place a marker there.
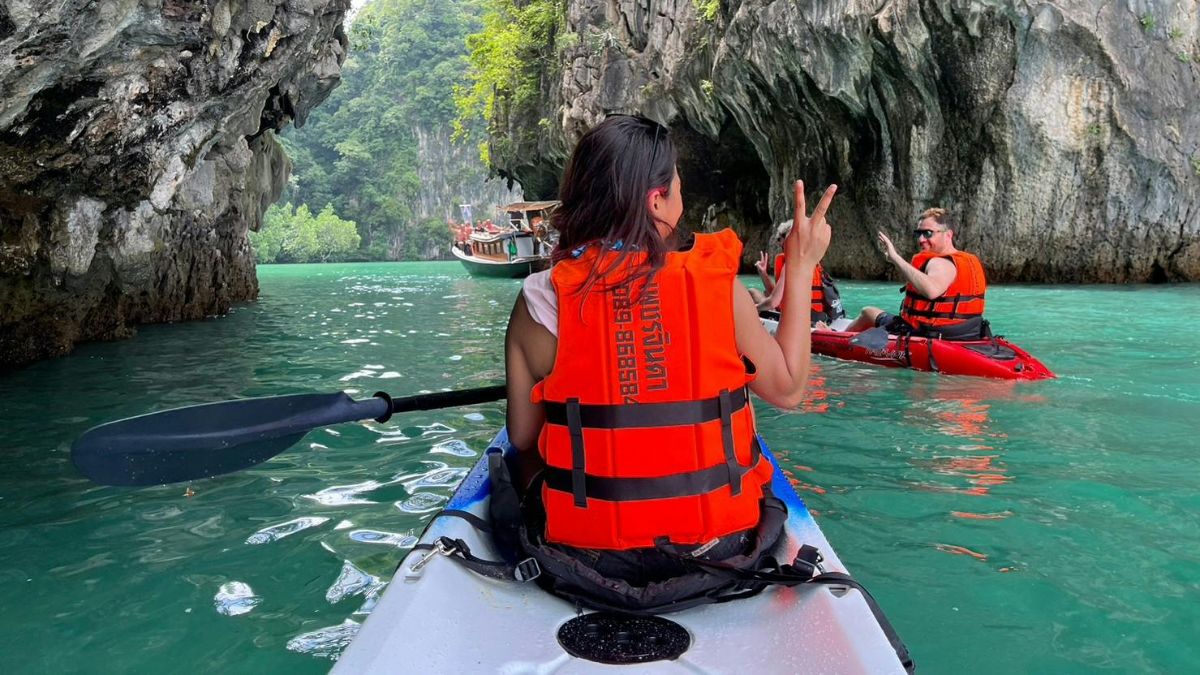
(136, 149)
(1066, 135)
(451, 174)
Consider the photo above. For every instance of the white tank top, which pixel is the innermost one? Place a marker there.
(541, 300)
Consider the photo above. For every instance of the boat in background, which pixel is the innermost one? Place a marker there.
(517, 249)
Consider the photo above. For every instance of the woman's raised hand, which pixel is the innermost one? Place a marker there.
(810, 235)
(762, 263)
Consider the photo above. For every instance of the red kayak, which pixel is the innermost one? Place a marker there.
(995, 357)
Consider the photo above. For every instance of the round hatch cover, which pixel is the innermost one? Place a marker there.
(605, 637)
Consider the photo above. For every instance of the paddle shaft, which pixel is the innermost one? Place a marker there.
(215, 438)
(447, 399)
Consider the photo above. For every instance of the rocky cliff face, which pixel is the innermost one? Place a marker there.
(1066, 136)
(451, 174)
(137, 148)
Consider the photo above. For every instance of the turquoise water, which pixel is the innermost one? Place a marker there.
(1049, 527)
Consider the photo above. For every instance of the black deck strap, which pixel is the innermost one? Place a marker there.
(801, 571)
(662, 487)
(475, 521)
(525, 570)
(840, 579)
(578, 457)
(724, 405)
(642, 415)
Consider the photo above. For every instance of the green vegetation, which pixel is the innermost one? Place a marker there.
(707, 9)
(1184, 57)
(507, 59)
(707, 88)
(1175, 33)
(291, 234)
(1148, 22)
(359, 150)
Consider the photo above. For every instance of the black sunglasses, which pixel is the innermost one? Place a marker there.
(925, 234)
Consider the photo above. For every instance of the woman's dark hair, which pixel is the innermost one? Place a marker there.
(604, 188)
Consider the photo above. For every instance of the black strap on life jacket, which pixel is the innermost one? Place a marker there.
(577, 416)
(911, 298)
(685, 484)
(642, 415)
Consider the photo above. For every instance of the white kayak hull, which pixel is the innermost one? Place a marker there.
(443, 618)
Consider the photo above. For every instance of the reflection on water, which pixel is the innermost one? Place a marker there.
(276, 532)
(958, 407)
(353, 581)
(235, 598)
(325, 643)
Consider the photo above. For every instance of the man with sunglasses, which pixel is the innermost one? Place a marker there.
(944, 289)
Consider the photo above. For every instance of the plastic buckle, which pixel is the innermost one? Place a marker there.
(527, 570)
(810, 556)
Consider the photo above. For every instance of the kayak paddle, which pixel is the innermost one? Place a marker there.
(872, 339)
(205, 440)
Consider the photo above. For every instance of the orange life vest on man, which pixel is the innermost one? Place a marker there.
(816, 299)
(963, 300)
(649, 431)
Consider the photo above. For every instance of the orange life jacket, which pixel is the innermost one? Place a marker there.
(963, 300)
(817, 303)
(649, 430)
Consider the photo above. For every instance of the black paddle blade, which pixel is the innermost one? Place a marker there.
(872, 339)
(208, 440)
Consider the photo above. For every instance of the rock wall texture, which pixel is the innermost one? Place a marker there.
(451, 174)
(136, 150)
(1065, 135)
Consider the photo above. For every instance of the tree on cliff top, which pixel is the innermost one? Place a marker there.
(507, 59)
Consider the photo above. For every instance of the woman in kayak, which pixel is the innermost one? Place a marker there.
(824, 295)
(627, 368)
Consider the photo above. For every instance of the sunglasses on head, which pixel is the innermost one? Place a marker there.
(925, 234)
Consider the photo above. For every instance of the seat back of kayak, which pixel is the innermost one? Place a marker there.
(440, 617)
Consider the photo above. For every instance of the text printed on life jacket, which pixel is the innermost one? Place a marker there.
(653, 343)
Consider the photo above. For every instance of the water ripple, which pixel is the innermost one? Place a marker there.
(325, 643)
(277, 532)
(353, 581)
(235, 598)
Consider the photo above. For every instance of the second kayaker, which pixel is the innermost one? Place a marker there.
(824, 297)
(944, 290)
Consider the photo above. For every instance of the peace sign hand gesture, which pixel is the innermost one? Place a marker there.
(763, 262)
(809, 238)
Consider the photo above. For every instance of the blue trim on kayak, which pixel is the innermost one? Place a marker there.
(476, 486)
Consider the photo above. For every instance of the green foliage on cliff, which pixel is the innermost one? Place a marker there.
(359, 149)
(291, 234)
(507, 59)
(707, 9)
